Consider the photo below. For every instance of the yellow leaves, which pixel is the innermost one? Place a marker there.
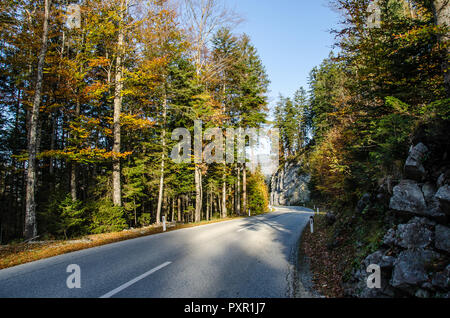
(86, 155)
(99, 61)
(133, 122)
(79, 131)
(99, 154)
(96, 90)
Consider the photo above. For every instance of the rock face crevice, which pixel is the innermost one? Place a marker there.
(290, 186)
(414, 256)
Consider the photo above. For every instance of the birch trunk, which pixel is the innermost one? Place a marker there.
(161, 179)
(30, 230)
(117, 185)
(238, 191)
(244, 189)
(224, 176)
(198, 193)
(179, 208)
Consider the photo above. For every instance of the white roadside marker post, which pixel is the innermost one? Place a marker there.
(164, 223)
(311, 223)
(249, 212)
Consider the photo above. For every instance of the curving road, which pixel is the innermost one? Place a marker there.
(244, 258)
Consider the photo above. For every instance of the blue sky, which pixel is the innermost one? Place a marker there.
(291, 36)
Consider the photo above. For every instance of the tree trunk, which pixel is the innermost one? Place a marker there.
(173, 210)
(198, 193)
(441, 11)
(30, 229)
(224, 193)
(161, 179)
(208, 194)
(51, 167)
(135, 215)
(233, 200)
(224, 175)
(214, 201)
(179, 209)
(117, 185)
(238, 191)
(244, 189)
(73, 172)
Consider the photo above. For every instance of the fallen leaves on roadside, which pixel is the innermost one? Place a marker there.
(327, 266)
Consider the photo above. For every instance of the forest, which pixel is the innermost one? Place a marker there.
(383, 91)
(88, 105)
(89, 94)
(355, 123)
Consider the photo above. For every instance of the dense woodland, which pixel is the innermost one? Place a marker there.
(367, 101)
(87, 113)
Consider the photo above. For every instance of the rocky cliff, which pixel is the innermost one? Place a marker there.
(415, 253)
(290, 186)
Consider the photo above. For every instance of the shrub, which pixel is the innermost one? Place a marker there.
(63, 217)
(108, 218)
(145, 219)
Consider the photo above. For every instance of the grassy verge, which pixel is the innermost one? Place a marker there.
(21, 253)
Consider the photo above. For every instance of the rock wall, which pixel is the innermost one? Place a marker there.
(414, 255)
(289, 186)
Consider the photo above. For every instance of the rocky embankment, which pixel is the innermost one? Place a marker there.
(415, 253)
(290, 186)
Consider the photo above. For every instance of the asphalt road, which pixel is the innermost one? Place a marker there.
(244, 258)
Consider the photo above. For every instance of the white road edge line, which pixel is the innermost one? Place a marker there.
(135, 280)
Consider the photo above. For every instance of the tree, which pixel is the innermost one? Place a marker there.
(110, 91)
(30, 214)
(118, 98)
(203, 18)
(225, 56)
(441, 11)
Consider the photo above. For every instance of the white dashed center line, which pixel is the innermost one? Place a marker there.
(135, 280)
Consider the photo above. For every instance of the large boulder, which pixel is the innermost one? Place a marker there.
(413, 167)
(442, 238)
(408, 197)
(443, 195)
(410, 268)
(414, 234)
(417, 233)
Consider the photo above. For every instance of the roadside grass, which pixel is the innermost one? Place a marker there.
(21, 253)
